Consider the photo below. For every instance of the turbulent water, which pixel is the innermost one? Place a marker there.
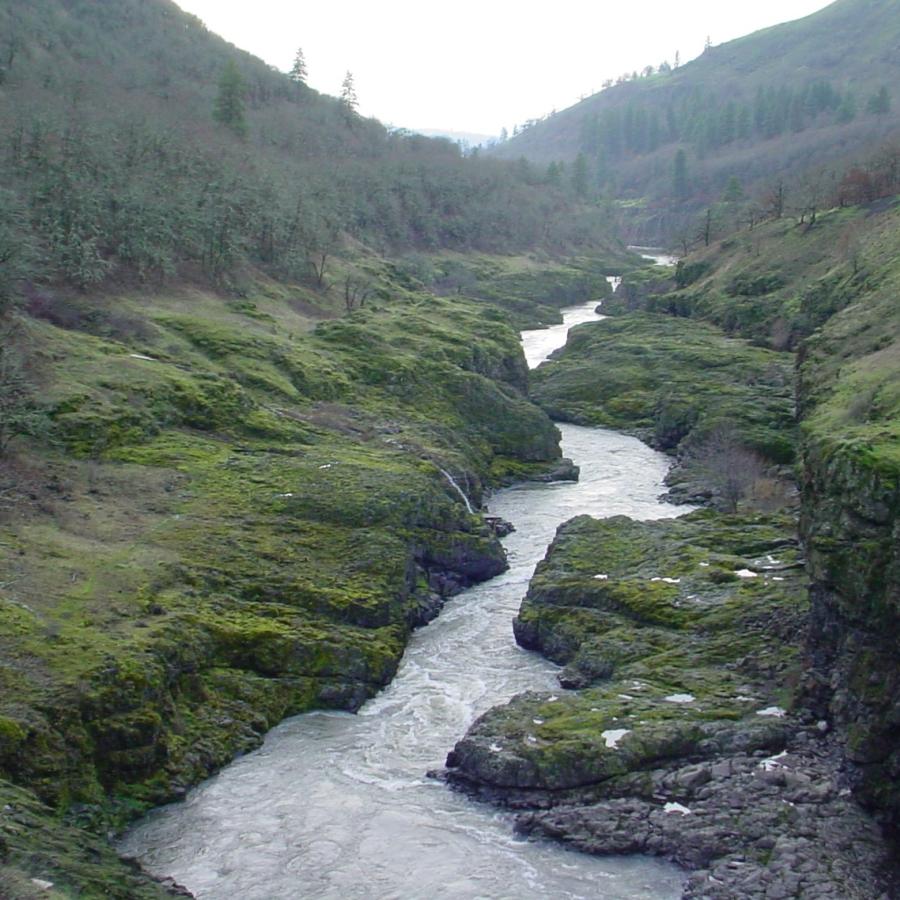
(657, 254)
(338, 806)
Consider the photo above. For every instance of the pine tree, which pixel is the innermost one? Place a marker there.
(229, 105)
(348, 93)
(298, 71)
(580, 177)
(880, 103)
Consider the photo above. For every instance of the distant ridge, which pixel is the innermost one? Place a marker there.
(761, 107)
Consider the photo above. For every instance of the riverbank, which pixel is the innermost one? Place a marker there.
(761, 801)
(266, 827)
(237, 515)
(681, 645)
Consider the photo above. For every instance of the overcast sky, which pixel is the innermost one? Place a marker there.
(480, 65)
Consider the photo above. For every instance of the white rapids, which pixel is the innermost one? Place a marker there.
(338, 806)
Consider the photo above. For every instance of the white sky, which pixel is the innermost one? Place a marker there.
(480, 65)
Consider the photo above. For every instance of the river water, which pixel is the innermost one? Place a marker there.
(338, 806)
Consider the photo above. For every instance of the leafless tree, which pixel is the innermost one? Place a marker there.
(727, 465)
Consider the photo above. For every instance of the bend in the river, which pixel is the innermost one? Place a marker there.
(338, 806)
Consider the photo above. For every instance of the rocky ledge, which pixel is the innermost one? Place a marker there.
(683, 738)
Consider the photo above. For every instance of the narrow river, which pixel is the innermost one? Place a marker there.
(338, 806)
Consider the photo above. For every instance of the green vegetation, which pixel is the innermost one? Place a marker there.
(723, 407)
(775, 106)
(673, 652)
(138, 145)
(235, 516)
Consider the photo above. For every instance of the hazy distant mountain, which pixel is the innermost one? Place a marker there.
(820, 88)
(469, 138)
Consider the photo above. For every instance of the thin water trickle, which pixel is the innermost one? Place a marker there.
(338, 806)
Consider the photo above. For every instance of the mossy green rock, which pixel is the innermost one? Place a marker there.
(670, 381)
(241, 519)
(671, 661)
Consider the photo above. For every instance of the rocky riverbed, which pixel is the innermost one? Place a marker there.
(682, 737)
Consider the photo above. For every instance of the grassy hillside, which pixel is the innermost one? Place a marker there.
(768, 106)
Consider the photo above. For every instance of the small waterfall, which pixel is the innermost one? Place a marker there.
(458, 490)
(614, 281)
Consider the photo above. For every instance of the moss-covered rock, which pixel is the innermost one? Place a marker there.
(241, 519)
(672, 662)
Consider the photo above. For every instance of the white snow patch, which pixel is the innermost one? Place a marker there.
(777, 578)
(668, 580)
(601, 577)
(495, 748)
(552, 698)
(741, 698)
(773, 762)
(773, 561)
(705, 565)
(284, 495)
(773, 711)
(149, 359)
(43, 885)
(531, 739)
(326, 466)
(746, 573)
(613, 736)
(538, 721)
(680, 698)
(677, 808)
(625, 697)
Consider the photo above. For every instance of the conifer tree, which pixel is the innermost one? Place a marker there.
(348, 93)
(298, 71)
(229, 105)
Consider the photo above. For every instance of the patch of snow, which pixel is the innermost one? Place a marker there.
(613, 736)
(495, 748)
(43, 885)
(742, 699)
(777, 578)
(326, 466)
(676, 808)
(601, 577)
(538, 721)
(625, 697)
(284, 495)
(705, 565)
(773, 762)
(552, 698)
(149, 359)
(531, 739)
(668, 580)
(746, 573)
(773, 561)
(775, 712)
(680, 698)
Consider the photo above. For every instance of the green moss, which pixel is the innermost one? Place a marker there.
(665, 669)
(670, 381)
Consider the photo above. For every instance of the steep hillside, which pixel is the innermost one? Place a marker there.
(765, 107)
(135, 144)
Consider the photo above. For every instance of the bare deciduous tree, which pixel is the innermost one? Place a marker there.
(727, 465)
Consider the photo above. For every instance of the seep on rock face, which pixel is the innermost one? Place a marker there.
(683, 640)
